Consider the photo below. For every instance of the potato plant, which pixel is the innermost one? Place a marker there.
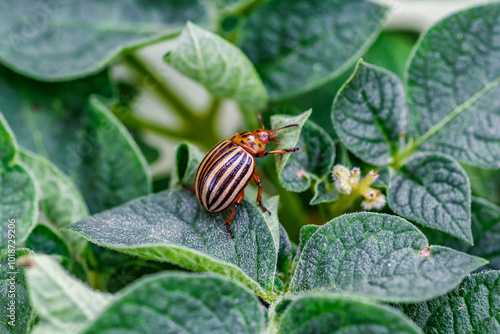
(387, 219)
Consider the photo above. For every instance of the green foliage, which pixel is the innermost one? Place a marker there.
(473, 307)
(434, 191)
(221, 68)
(172, 227)
(380, 256)
(80, 134)
(294, 52)
(342, 313)
(90, 33)
(453, 85)
(369, 114)
(14, 288)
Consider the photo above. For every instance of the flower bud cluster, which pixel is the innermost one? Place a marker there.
(347, 181)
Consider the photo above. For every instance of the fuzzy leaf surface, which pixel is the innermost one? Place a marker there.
(294, 52)
(369, 113)
(380, 256)
(434, 191)
(453, 87)
(60, 40)
(219, 66)
(172, 227)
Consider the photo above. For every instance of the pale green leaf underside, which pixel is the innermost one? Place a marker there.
(369, 113)
(288, 138)
(378, 255)
(453, 87)
(21, 298)
(434, 191)
(64, 40)
(297, 45)
(187, 160)
(182, 303)
(172, 227)
(19, 197)
(473, 307)
(219, 66)
(8, 145)
(64, 304)
(343, 313)
(60, 200)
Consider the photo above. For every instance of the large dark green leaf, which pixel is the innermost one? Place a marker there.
(45, 240)
(219, 66)
(381, 256)
(18, 192)
(342, 313)
(297, 45)
(61, 40)
(369, 114)
(172, 227)
(85, 142)
(14, 318)
(434, 191)
(473, 307)
(115, 170)
(182, 303)
(454, 84)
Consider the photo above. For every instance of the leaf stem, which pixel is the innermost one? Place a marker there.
(344, 203)
(151, 80)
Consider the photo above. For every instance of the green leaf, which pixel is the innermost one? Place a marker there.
(219, 66)
(272, 220)
(46, 241)
(342, 313)
(473, 307)
(63, 304)
(172, 227)
(453, 87)
(61, 201)
(115, 166)
(297, 45)
(62, 40)
(13, 319)
(187, 160)
(381, 256)
(288, 138)
(8, 145)
(434, 191)
(182, 302)
(485, 229)
(54, 121)
(369, 114)
(285, 255)
(19, 197)
(324, 192)
(314, 160)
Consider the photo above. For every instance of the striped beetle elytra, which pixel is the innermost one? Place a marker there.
(226, 170)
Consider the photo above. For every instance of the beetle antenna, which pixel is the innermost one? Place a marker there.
(284, 127)
(259, 117)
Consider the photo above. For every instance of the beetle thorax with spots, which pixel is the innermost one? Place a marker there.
(253, 142)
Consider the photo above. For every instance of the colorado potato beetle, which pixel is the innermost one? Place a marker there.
(226, 170)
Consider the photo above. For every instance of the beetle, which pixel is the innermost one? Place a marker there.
(226, 170)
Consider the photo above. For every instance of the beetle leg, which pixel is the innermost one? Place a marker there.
(256, 178)
(239, 199)
(282, 151)
(188, 189)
